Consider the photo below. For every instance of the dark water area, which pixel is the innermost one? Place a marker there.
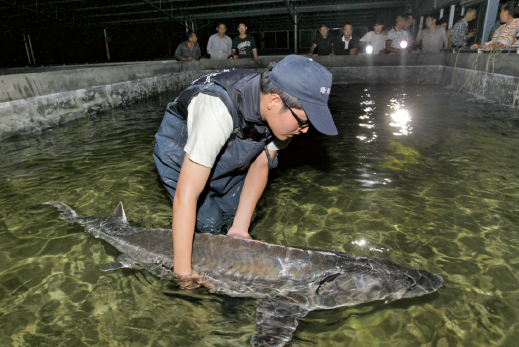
(418, 174)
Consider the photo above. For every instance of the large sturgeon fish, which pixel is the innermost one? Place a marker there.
(288, 282)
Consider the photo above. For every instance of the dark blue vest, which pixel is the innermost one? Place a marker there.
(239, 90)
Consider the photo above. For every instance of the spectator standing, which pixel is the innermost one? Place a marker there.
(409, 20)
(375, 38)
(188, 50)
(396, 35)
(345, 44)
(323, 42)
(434, 37)
(505, 34)
(460, 30)
(219, 45)
(244, 46)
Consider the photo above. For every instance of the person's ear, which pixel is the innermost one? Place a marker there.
(273, 101)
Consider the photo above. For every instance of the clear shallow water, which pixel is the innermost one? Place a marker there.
(437, 189)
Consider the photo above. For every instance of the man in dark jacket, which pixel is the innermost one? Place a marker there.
(323, 42)
(345, 44)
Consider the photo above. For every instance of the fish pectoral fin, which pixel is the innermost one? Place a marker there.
(276, 321)
(123, 262)
(114, 266)
(325, 283)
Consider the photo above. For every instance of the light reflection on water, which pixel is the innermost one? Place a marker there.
(441, 196)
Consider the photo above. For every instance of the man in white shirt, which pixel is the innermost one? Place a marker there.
(219, 44)
(219, 138)
(375, 38)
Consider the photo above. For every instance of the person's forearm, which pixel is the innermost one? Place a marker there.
(191, 181)
(389, 48)
(255, 52)
(253, 187)
(184, 219)
(181, 58)
(419, 36)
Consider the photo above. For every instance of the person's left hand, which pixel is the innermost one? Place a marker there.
(237, 232)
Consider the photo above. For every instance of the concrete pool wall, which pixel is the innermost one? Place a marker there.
(35, 98)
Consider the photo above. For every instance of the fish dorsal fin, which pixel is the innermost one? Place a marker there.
(119, 213)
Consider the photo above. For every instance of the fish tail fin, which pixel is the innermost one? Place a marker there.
(67, 214)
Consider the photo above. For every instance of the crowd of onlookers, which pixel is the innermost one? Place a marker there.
(219, 46)
(431, 36)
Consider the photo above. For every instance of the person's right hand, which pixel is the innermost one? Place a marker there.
(309, 54)
(471, 34)
(474, 46)
(190, 58)
(235, 56)
(192, 281)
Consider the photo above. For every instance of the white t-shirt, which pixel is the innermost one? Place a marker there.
(378, 42)
(209, 126)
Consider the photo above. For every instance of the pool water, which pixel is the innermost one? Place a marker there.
(418, 174)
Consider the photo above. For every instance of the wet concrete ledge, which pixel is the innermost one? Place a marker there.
(32, 99)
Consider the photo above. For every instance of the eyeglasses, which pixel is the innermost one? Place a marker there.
(302, 124)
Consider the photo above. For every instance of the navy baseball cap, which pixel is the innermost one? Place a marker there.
(310, 82)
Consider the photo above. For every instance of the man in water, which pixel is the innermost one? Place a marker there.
(219, 138)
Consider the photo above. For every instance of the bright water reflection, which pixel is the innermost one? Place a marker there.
(444, 197)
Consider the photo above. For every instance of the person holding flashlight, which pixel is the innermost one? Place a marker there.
(397, 38)
(375, 38)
